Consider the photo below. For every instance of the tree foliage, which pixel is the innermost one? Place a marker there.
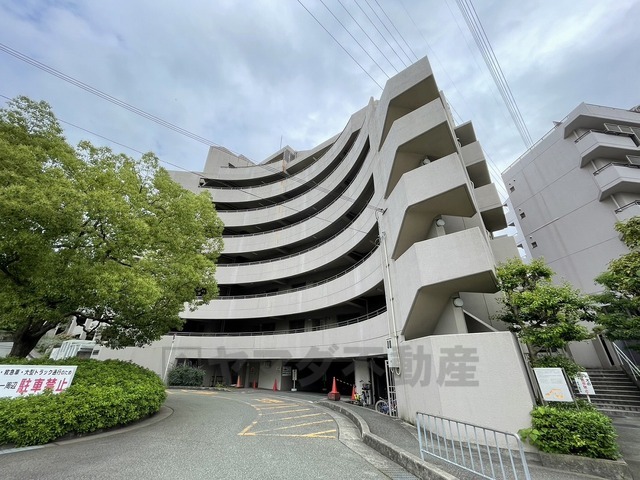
(619, 317)
(95, 235)
(543, 315)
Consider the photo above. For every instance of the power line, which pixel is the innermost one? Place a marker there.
(480, 37)
(369, 37)
(380, 33)
(354, 38)
(200, 175)
(341, 46)
(398, 32)
(109, 98)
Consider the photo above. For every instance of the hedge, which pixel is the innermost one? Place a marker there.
(103, 394)
(572, 429)
(186, 376)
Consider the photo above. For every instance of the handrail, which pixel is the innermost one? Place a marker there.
(628, 205)
(343, 323)
(291, 255)
(290, 177)
(305, 287)
(635, 370)
(474, 448)
(341, 196)
(316, 186)
(617, 164)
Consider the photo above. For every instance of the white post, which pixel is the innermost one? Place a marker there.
(166, 369)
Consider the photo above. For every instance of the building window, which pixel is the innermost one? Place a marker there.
(522, 215)
(534, 244)
(512, 188)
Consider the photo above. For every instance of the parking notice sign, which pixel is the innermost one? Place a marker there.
(23, 380)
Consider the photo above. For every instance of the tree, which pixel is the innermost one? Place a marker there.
(619, 316)
(95, 235)
(543, 315)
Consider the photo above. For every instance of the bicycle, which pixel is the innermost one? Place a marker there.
(382, 406)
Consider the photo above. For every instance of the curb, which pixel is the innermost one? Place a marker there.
(406, 460)
(610, 469)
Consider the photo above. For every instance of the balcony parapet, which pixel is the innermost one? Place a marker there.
(598, 144)
(431, 272)
(421, 195)
(617, 178)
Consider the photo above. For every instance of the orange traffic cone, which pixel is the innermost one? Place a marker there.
(334, 394)
(353, 394)
(275, 385)
(239, 383)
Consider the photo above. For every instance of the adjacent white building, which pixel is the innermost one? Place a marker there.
(376, 245)
(568, 191)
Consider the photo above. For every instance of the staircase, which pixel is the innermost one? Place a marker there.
(616, 394)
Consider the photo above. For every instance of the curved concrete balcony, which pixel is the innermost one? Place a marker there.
(424, 133)
(347, 287)
(269, 190)
(617, 178)
(284, 210)
(421, 195)
(433, 271)
(490, 207)
(602, 145)
(302, 262)
(476, 164)
(365, 338)
(305, 229)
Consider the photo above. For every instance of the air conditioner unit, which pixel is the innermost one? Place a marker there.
(392, 354)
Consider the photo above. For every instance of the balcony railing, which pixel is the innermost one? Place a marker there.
(304, 287)
(343, 323)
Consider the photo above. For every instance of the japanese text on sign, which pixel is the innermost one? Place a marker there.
(22, 380)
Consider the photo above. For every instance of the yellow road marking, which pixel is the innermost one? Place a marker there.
(270, 400)
(288, 411)
(276, 407)
(244, 432)
(305, 435)
(292, 418)
(295, 426)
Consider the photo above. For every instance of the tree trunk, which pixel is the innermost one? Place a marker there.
(24, 341)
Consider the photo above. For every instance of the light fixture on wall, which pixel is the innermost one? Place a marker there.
(440, 222)
(457, 302)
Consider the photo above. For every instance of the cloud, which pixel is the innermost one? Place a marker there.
(247, 74)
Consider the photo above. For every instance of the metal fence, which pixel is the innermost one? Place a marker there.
(488, 453)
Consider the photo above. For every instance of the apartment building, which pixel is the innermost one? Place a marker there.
(568, 191)
(369, 258)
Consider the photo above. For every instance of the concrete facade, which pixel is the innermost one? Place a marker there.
(567, 192)
(373, 245)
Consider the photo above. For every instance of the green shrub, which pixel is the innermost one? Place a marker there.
(102, 395)
(573, 430)
(186, 376)
(571, 368)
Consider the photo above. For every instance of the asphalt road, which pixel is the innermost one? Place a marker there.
(244, 435)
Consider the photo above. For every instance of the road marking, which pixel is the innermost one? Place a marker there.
(294, 426)
(286, 411)
(270, 400)
(293, 418)
(302, 435)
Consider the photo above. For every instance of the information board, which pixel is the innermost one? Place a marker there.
(553, 385)
(22, 380)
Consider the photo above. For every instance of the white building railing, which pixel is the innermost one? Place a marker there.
(488, 453)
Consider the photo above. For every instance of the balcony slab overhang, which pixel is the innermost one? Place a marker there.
(602, 145)
(615, 178)
(476, 164)
(422, 134)
(438, 188)
(435, 270)
(490, 207)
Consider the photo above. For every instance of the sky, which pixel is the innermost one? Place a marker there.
(255, 75)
